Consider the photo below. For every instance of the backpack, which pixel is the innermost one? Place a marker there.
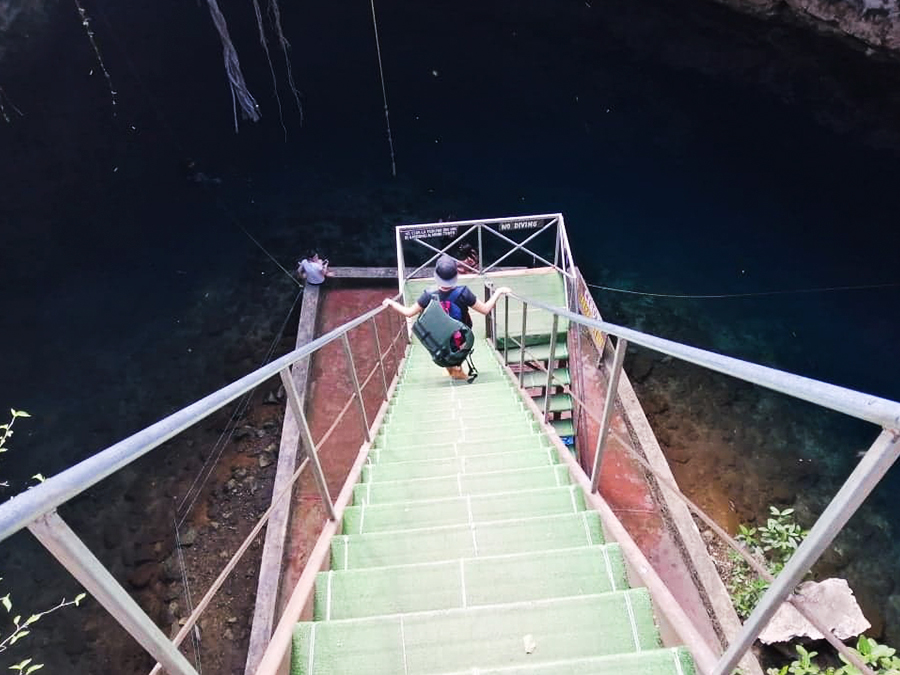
(447, 339)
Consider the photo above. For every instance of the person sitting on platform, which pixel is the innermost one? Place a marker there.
(455, 300)
(467, 259)
(313, 269)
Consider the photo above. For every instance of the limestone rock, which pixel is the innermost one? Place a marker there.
(834, 604)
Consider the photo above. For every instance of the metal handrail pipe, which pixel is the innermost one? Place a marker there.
(881, 411)
(24, 508)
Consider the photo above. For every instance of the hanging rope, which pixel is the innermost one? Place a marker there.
(265, 46)
(86, 22)
(387, 117)
(285, 46)
(187, 597)
(826, 289)
(240, 95)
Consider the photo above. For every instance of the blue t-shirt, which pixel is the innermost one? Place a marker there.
(465, 299)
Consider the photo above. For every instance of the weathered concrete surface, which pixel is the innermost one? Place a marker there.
(832, 602)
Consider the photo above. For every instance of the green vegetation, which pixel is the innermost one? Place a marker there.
(772, 544)
(880, 658)
(20, 627)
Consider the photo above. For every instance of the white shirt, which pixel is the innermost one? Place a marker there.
(314, 271)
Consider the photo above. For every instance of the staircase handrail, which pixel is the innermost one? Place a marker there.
(26, 507)
(881, 411)
(872, 467)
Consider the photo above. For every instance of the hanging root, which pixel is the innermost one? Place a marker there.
(285, 46)
(265, 46)
(86, 22)
(4, 102)
(387, 117)
(241, 96)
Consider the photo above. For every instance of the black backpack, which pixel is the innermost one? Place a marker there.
(448, 340)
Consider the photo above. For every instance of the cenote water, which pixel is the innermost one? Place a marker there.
(692, 150)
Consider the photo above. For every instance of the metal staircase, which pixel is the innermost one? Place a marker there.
(467, 550)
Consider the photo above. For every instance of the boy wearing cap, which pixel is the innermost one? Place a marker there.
(448, 293)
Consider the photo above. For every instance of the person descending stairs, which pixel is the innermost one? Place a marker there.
(468, 550)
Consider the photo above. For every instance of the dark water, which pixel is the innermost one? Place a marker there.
(692, 151)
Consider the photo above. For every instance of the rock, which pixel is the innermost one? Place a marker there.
(271, 448)
(640, 366)
(228, 634)
(232, 619)
(265, 459)
(231, 485)
(243, 432)
(239, 472)
(171, 570)
(188, 537)
(271, 398)
(834, 604)
(142, 576)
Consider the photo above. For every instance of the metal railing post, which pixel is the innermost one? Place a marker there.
(488, 320)
(362, 405)
(608, 406)
(522, 343)
(480, 248)
(871, 468)
(380, 361)
(58, 538)
(556, 247)
(550, 367)
(293, 398)
(505, 329)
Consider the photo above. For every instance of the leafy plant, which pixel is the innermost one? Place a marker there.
(22, 628)
(881, 658)
(772, 544)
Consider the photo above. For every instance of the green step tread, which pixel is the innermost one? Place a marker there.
(666, 661)
(558, 402)
(563, 427)
(482, 637)
(539, 352)
(462, 541)
(538, 378)
(497, 433)
(401, 452)
(377, 472)
(459, 484)
(476, 509)
(453, 425)
(469, 582)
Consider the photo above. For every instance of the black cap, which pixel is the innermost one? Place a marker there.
(445, 271)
